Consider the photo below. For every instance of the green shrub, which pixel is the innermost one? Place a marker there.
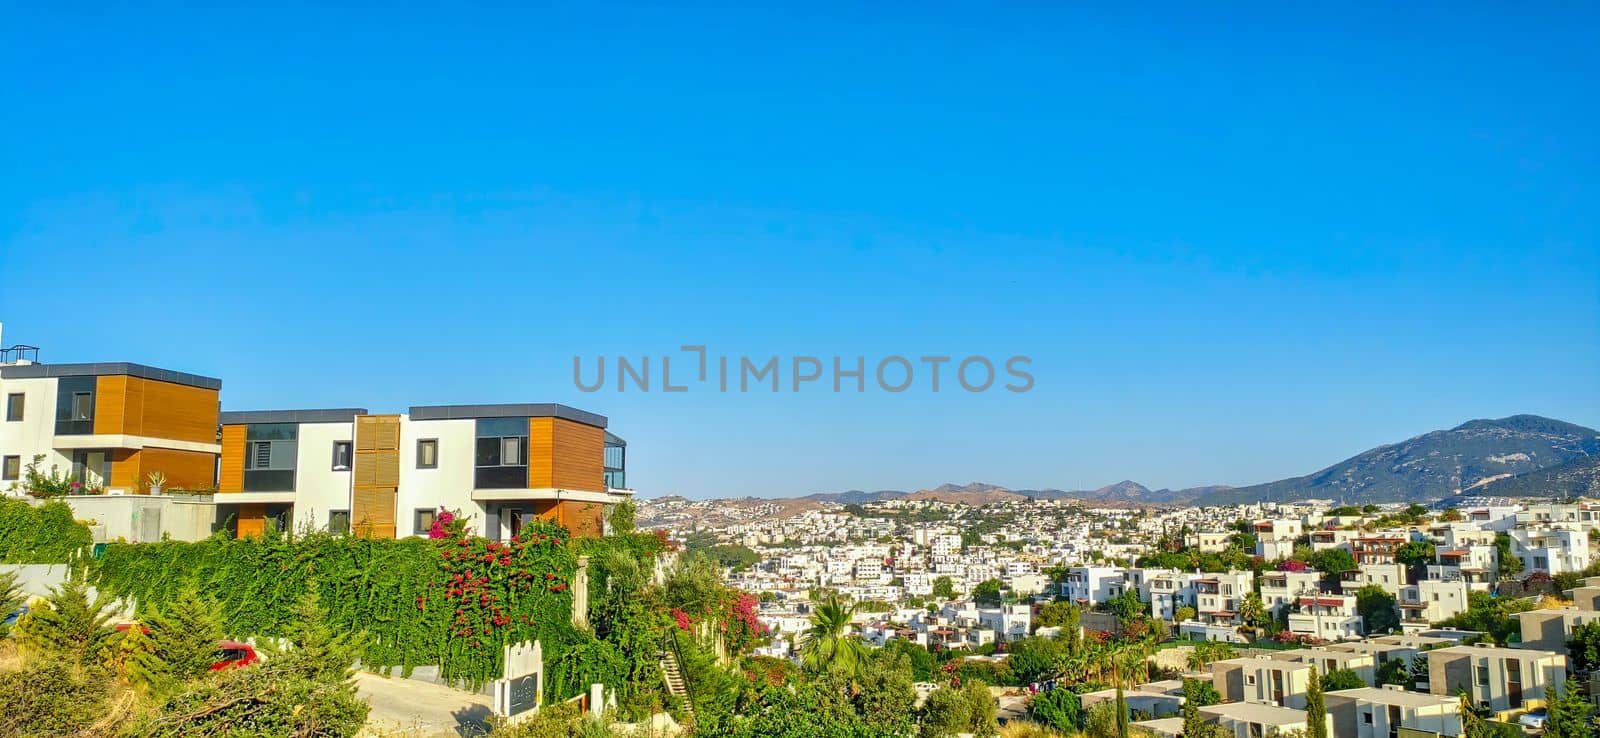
(50, 697)
(46, 534)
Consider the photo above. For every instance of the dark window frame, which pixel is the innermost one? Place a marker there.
(424, 443)
(349, 455)
(6, 472)
(85, 411)
(16, 405)
(417, 526)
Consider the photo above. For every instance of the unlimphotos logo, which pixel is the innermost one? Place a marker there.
(706, 372)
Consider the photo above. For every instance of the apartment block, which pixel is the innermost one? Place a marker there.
(1281, 589)
(1429, 601)
(387, 475)
(1329, 617)
(1391, 711)
(1503, 679)
(1217, 596)
(1550, 630)
(1270, 679)
(107, 426)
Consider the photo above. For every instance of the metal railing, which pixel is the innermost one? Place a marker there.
(19, 353)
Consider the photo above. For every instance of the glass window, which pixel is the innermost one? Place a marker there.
(338, 521)
(11, 468)
(14, 405)
(423, 521)
(510, 451)
(83, 406)
(1483, 673)
(428, 453)
(488, 452)
(341, 456)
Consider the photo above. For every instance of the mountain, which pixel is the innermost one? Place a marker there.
(1577, 478)
(1471, 458)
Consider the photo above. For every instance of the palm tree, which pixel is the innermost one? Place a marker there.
(828, 643)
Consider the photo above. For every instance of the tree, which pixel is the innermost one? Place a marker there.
(1378, 609)
(1254, 612)
(945, 713)
(1122, 712)
(1419, 670)
(1126, 606)
(185, 636)
(1063, 615)
(944, 588)
(1415, 553)
(1205, 652)
(1058, 708)
(11, 599)
(1101, 720)
(623, 517)
(1037, 659)
(1451, 515)
(987, 593)
(1338, 679)
(319, 652)
(1416, 511)
(1194, 698)
(1394, 671)
(1473, 723)
(982, 720)
(1510, 565)
(1584, 647)
(1183, 613)
(1369, 509)
(828, 644)
(1569, 713)
(1316, 711)
(918, 657)
(1332, 561)
(67, 625)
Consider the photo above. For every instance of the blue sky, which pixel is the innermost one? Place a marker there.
(1238, 246)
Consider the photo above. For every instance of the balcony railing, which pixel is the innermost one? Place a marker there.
(19, 353)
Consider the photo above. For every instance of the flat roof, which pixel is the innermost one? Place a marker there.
(1397, 697)
(108, 369)
(323, 415)
(514, 410)
(1255, 712)
(1522, 653)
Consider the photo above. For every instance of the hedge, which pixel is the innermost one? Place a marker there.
(454, 601)
(43, 534)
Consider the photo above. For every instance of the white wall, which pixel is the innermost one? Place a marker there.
(317, 487)
(450, 485)
(35, 433)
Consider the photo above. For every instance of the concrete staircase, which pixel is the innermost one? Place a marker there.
(675, 683)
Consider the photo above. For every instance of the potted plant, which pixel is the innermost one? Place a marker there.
(156, 480)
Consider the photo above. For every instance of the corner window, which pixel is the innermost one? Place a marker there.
(11, 468)
(428, 453)
(14, 405)
(423, 521)
(341, 456)
(338, 521)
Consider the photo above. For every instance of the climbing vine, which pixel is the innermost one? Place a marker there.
(43, 534)
(452, 599)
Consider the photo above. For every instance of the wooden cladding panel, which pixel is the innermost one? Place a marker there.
(565, 454)
(375, 476)
(230, 478)
(176, 411)
(110, 405)
(142, 407)
(125, 470)
(183, 469)
(251, 520)
(583, 519)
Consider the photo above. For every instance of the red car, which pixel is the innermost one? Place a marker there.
(234, 653)
(230, 654)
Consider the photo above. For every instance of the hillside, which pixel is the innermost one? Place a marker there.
(1577, 478)
(1472, 457)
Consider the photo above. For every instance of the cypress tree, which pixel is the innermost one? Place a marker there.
(1316, 712)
